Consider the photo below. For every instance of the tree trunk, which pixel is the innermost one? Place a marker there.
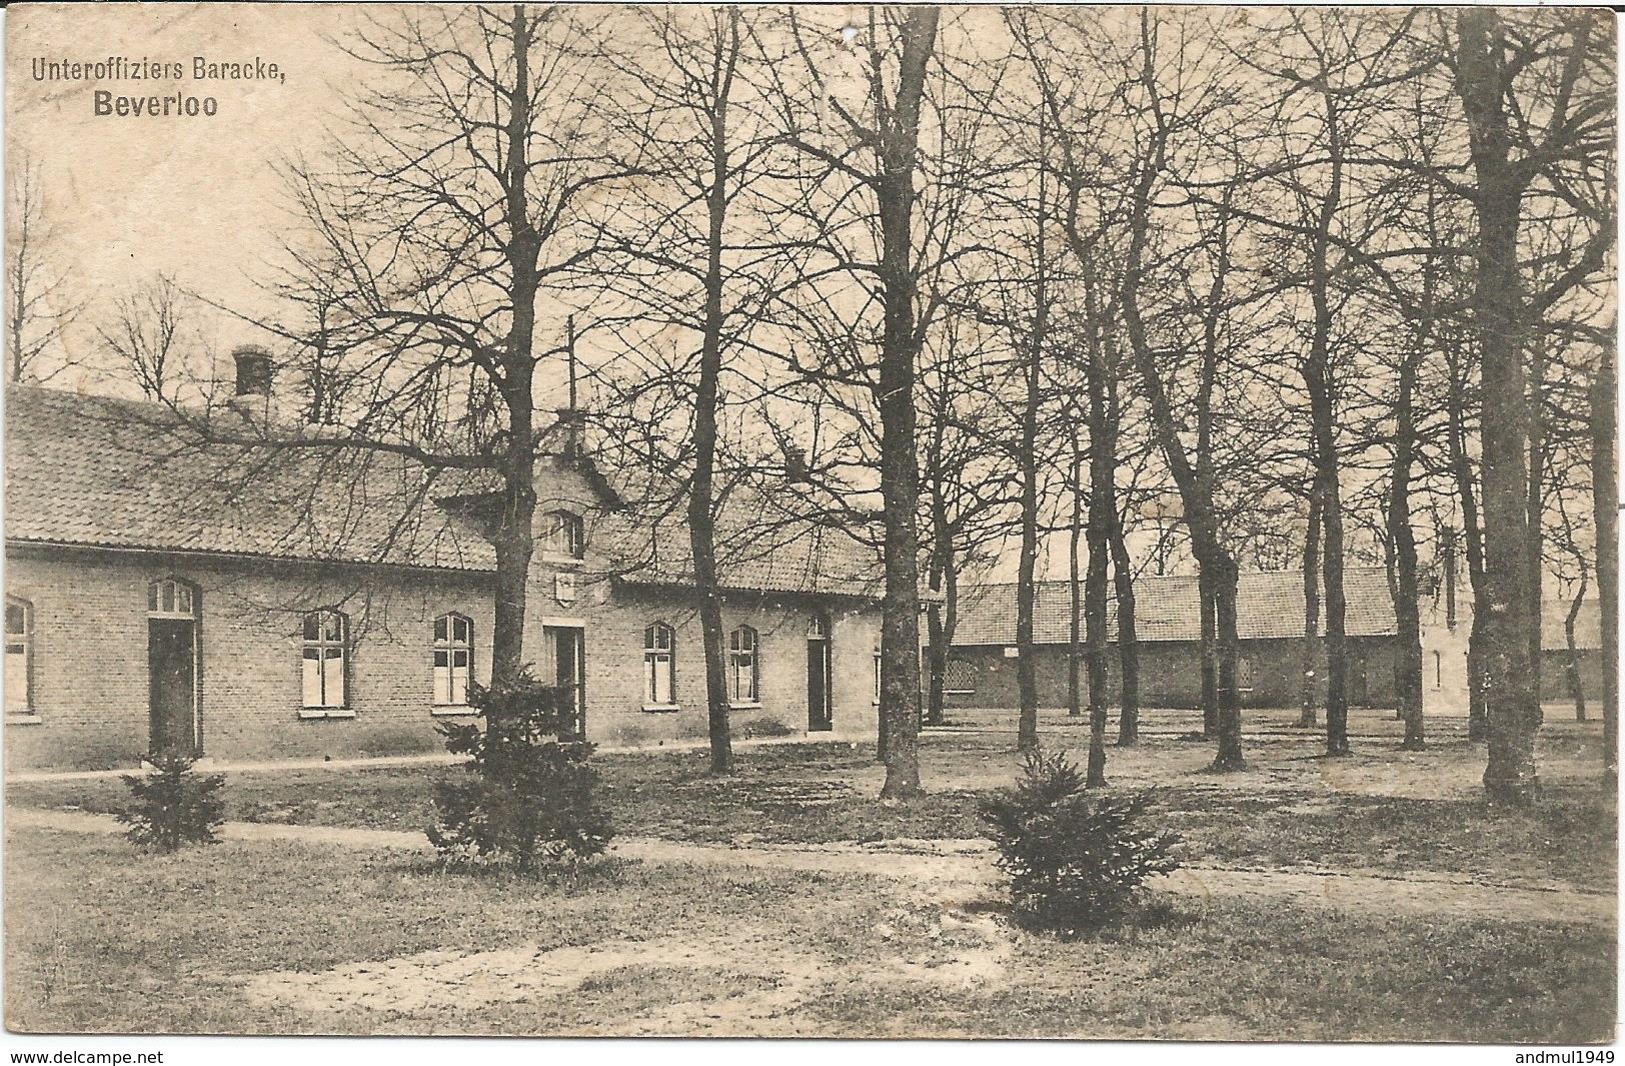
(1605, 501)
(899, 468)
(1026, 590)
(1572, 670)
(1074, 648)
(1535, 502)
(1026, 584)
(1309, 651)
(1318, 380)
(514, 538)
(1407, 608)
(1511, 703)
(1128, 647)
(701, 502)
(1224, 611)
(1473, 538)
(1210, 654)
(1102, 516)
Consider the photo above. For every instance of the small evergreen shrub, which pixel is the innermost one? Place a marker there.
(1076, 860)
(173, 804)
(528, 793)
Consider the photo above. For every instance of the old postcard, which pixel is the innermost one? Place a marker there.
(819, 521)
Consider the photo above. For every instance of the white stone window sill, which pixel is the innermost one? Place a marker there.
(754, 705)
(661, 708)
(451, 709)
(26, 718)
(326, 712)
(555, 559)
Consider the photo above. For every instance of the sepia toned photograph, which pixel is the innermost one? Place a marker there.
(828, 521)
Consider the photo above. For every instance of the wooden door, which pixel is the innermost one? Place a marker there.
(172, 680)
(820, 716)
(566, 648)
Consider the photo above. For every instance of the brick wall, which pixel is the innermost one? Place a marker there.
(89, 657)
(89, 661)
(613, 619)
(1170, 674)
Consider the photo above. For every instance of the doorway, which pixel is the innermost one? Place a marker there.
(820, 709)
(564, 663)
(173, 668)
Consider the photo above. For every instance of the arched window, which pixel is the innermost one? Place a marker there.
(326, 660)
(565, 536)
(453, 659)
(743, 670)
(659, 666)
(171, 597)
(19, 657)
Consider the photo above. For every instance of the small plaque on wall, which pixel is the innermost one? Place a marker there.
(564, 589)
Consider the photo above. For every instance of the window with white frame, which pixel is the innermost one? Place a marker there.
(453, 659)
(743, 669)
(19, 657)
(565, 536)
(326, 660)
(659, 666)
(170, 598)
(877, 677)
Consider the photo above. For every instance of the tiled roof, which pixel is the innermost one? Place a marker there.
(95, 471)
(761, 546)
(110, 473)
(1166, 608)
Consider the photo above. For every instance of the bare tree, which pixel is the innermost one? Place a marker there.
(436, 228)
(1494, 57)
(697, 138)
(871, 145)
(39, 304)
(144, 337)
(1162, 114)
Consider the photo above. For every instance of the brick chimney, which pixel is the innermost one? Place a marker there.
(252, 397)
(570, 426)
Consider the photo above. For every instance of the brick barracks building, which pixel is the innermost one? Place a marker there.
(1269, 617)
(339, 604)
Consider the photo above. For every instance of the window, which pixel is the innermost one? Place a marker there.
(877, 677)
(19, 657)
(565, 537)
(742, 666)
(326, 660)
(659, 666)
(1438, 670)
(170, 598)
(959, 678)
(453, 659)
(1244, 673)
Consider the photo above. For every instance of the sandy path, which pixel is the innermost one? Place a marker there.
(950, 871)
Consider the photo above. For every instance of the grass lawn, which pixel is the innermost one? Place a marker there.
(1379, 809)
(272, 937)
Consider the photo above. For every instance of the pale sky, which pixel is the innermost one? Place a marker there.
(129, 197)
